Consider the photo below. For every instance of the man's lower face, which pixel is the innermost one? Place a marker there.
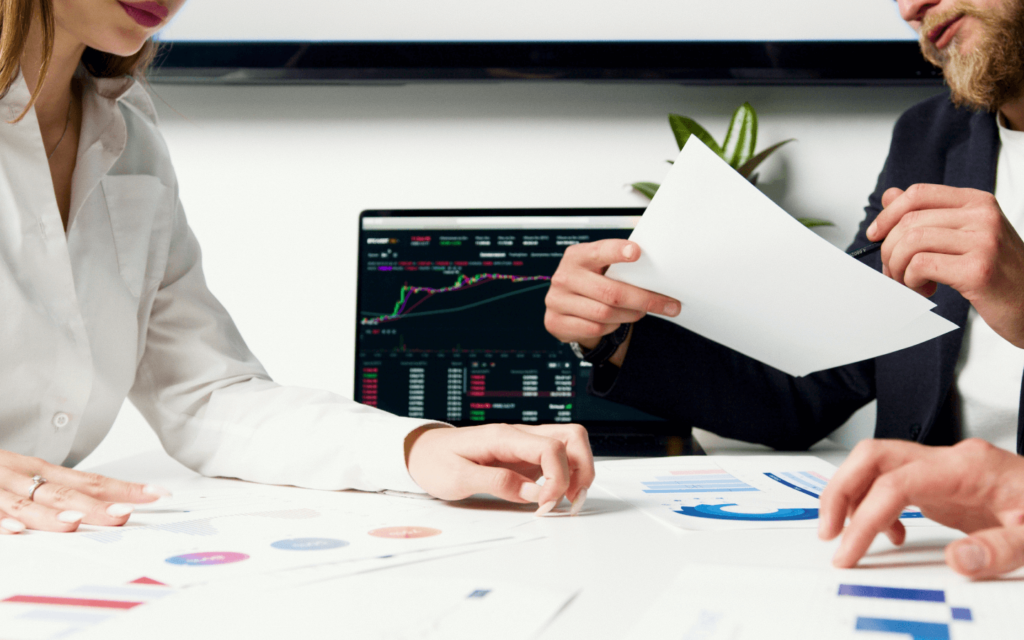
(991, 72)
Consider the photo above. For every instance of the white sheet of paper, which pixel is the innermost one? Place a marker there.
(716, 493)
(754, 279)
(720, 602)
(216, 530)
(374, 606)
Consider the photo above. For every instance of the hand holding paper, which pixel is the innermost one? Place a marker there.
(754, 279)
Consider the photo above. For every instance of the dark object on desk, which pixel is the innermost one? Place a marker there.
(450, 324)
(866, 250)
(635, 446)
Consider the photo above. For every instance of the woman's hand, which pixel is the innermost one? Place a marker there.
(67, 498)
(973, 486)
(504, 460)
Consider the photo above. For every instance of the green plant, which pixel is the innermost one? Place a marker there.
(737, 149)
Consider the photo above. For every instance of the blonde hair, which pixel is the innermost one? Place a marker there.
(16, 18)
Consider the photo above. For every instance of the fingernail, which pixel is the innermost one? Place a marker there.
(577, 504)
(629, 251)
(119, 510)
(546, 508)
(671, 309)
(154, 490)
(70, 516)
(530, 492)
(970, 557)
(12, 525)
(872, 229)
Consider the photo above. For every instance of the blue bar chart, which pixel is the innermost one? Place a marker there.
(706, 481)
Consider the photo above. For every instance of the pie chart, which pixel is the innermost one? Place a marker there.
(723, 512)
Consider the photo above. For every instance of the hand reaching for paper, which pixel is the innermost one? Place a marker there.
(958, 237)
(504, 460)
(35, 494)
(583, 304)
(973, 486)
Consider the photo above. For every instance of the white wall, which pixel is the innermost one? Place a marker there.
(273, 179)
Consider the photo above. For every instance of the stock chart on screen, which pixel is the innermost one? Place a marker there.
(451, 317)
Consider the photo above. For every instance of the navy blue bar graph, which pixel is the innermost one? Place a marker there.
(791, 485)
(892, 593)
(916, 630)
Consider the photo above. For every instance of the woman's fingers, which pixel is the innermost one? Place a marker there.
(577, 449)
(36, 516)
(63, 499)
(989, 553)
(10, 526)
(102, 487)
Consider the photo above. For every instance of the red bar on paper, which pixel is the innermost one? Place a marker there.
(74, 602)
(145, 580)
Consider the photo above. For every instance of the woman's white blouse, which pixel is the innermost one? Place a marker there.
(118, 307)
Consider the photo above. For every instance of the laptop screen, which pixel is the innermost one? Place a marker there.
(451, 318)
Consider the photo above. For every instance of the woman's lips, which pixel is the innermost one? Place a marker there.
(147, 14)
(943, 34)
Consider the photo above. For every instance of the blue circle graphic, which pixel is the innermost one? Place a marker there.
(718, 512)
(309, 544)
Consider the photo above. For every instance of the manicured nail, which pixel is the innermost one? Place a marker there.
(70, 516)
(154, 490)
(872, 229)
(970, 557)
(671, 309)
(577, 504)
(12, 525)
(118, 510)
(546, 508)
(629, 251)
(530, 492)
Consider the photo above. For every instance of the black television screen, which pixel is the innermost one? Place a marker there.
(670, 40)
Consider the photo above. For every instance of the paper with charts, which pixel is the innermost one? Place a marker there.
(716, 493)
(710, 602)
(214, 530)
(754, 279)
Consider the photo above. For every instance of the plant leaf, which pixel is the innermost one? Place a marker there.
(741, 137)
(815, 222)
(684, 127)
(748, 167)
(753, 179)
(646, 188)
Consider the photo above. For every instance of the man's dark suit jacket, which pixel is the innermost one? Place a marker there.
(674, 373)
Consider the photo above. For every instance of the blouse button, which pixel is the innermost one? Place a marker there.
(61, 419)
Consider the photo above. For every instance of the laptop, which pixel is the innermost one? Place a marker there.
(450, 324)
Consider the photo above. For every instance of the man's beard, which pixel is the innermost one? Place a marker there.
(991, 74)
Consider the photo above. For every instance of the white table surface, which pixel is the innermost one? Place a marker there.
(616, 556)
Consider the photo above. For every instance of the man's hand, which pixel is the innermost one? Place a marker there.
(973, 486)
(504, 460)
(583, 305)
(959, 237)
(67, 499)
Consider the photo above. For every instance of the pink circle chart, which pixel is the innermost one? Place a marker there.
(207, 558)
(405, 532)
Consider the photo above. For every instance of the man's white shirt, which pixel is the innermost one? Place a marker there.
(118, 307)
(989, 370)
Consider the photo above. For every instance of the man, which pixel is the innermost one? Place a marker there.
(956, 164)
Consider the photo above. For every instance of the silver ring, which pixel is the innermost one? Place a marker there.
(37, 481)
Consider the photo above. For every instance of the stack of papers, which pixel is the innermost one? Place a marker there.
(754, 279)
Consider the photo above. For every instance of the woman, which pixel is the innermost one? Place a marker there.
(103, 297)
